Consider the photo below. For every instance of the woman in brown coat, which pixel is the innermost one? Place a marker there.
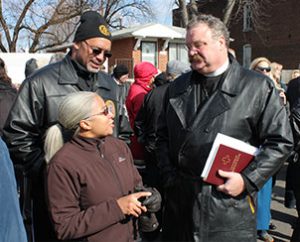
(91, 179)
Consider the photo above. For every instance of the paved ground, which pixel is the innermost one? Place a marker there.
(282, 217)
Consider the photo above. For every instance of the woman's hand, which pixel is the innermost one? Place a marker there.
(130, 204)
(283, 96)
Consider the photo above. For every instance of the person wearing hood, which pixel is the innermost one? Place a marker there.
(144, 74)
(30, 67)
(7, 95)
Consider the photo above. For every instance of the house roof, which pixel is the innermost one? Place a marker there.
(151, 30)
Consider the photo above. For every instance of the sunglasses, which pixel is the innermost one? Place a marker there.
(104, 112)
(266, 69)
(97, 51)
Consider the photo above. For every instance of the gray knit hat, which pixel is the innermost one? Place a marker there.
(175, 67)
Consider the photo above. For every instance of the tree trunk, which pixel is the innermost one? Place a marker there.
(194, 8)
(184, 13)
(228, 12)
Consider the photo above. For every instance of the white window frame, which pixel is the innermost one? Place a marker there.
(247, 55)
(180, 49)
(144, 55)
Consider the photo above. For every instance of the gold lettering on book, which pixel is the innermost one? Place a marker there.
(235, 162)
(226, 160)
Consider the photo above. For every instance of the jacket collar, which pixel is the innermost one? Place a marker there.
(89, 144)
(68, 75)
(103, 84)
(67, 72)
(230, 84)
(216, 104)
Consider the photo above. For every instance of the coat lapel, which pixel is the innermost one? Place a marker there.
(215, 105)
(218, 103)
(179, 105)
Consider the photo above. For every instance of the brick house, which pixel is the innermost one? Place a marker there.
(155, 43)
(279, 41)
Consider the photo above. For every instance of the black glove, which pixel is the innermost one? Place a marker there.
(153, 202)
(148, 222)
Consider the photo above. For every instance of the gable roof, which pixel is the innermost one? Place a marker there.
(151, 30)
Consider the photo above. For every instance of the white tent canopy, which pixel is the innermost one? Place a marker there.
(151, 31)
(15, 63)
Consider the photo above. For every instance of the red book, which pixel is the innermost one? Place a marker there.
(227, 154)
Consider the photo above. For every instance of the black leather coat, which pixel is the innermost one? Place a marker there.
(246, 106)
(36, 108)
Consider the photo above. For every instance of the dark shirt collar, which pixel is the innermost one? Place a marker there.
(81, 70)
(220, 70)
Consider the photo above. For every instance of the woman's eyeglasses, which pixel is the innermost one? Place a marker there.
(97, 51)
(104, 112)
(262, 69)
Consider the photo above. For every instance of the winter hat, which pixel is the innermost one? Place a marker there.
(176, 68)
(92, 25)
(144, 70)
(120, 70)
(160, 79)
(30, 66)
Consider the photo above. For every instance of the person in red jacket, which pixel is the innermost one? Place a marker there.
(144, 74)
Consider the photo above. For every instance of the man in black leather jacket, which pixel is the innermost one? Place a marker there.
(293, 169)
(120, 76)
(36, 109)
(217, 96)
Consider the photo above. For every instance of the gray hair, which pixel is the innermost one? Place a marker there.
(74, 108)
(175, 68)
(217, 27)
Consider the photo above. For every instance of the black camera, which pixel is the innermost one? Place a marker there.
(148, 221)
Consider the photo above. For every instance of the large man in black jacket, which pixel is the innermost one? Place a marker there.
(36, 109)
(293, 170)
(217, 96)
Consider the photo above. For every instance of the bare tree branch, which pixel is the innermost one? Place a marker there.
(52, 22)
(5, 28)
(234, 10)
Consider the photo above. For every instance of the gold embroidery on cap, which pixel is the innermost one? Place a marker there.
(104, 30)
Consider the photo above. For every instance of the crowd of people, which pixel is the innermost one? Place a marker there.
(97, 158)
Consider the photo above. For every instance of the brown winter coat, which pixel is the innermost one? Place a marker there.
(85, 178)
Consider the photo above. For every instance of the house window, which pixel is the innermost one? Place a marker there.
(178, 51)
(149, 52)
(247, 23)
(247, 55)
